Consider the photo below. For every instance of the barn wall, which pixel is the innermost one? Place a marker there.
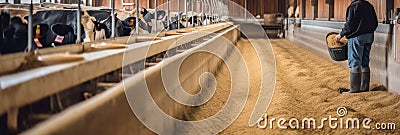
(380, 8)
(300, 5)
(323, 9)
(385, 69)
(255, 7)
(260, 7)
(142, 3)
(340, 7)
(309, 10)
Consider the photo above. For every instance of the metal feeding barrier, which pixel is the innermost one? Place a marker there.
(112, 106)
(20, 89)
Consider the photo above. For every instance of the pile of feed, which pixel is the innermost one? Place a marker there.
(331, 42)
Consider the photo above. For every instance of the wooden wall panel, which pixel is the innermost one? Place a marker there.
(255, 7)
(143, 3)
(300, 5)
(380, 8)
(323, 9)
(396, 3)
(309, 10)
(340, 8)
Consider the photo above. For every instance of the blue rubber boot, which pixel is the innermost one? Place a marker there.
(355, 80)
(365, 79)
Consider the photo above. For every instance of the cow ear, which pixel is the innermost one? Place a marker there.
(93, 19)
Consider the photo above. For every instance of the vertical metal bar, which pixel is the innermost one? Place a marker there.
(186, 12)
(207, 11)
(193, 1)
(198, 12)
(179, 15)
(211, 10)
(78, 23)
(155, 16)
(112, 19)
(168, 15)
(137, 17)
(215, 10)
(30, 28)
(202, 11)
(245, 9)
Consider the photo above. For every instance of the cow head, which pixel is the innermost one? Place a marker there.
(15, 35)
(39, 35)
(130, 22)
(88, 26)
(64, 34)
(149, 17)
(143, 11)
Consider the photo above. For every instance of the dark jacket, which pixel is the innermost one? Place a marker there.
(360, 19)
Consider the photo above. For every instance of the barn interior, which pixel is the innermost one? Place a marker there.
(191, 67)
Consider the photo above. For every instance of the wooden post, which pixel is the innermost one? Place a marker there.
(12, 120)
(331, 9)
(303, 9)
(314, 3)
(389, 8)
(287, 5)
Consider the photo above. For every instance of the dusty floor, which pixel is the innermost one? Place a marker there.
(306, 87)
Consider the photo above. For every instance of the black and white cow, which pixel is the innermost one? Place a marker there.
(104, 21)
(150, 19)
(13, 34)
(174, 23)
(58, 27)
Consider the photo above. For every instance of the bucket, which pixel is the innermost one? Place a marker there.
(337, 50)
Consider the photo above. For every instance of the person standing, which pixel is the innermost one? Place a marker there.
(361, 22)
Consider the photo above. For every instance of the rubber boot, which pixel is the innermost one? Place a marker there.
(365, 79)
(355, 80)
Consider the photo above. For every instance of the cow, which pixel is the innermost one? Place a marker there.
(95, 24)
(150, 19)
(61, 24)
(13, 32)
(174, 23)
(105, 21)
(143, 26)
(196, 21)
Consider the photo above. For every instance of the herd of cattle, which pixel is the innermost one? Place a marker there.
(56, 24)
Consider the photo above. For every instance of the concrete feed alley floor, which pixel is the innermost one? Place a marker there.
(306, 87)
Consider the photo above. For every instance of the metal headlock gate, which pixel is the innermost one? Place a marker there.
(102, 70)
(110, 110)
